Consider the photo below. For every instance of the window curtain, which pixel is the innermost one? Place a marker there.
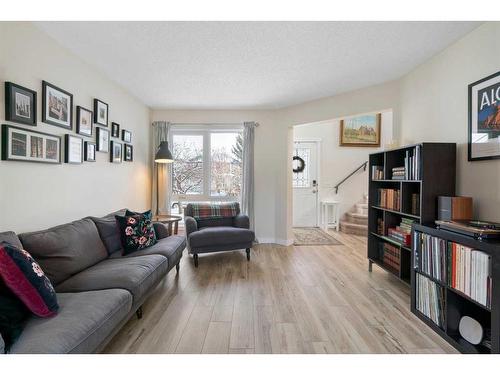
(162, 173)
(247, 188)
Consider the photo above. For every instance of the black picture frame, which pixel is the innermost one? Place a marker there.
(89, 151)
(115, 130)
(8, 155)
(102, 145)
(97, 118)
(112, 157)
(80, 112)
(128, 152)
(48, 114)
(474, 115)
(126, 136)
(14, 94)
(68, 149)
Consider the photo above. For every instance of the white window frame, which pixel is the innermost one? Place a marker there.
(205, 131)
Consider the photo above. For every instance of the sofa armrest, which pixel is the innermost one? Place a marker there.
(161, 230)
(241, 221)
(191, 225)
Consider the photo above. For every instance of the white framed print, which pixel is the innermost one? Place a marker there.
(73, 150)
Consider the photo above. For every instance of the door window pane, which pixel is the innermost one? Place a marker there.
(188, 164)
(225, 164)
(301, 179)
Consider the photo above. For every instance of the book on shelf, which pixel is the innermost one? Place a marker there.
(388, 198)
(398, 173)
(469, 272)
(412, 164)
(380, 226)
(391, 257)
(429, 299)
(402, 232)
(377, 172)
(429, 256)
(415, 204)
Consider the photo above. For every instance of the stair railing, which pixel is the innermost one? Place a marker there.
(362, 166)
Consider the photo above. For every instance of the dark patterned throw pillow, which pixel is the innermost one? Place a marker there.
(136, 231)
(24, 277)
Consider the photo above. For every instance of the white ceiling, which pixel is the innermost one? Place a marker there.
(258, 65)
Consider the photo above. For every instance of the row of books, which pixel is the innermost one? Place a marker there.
(389, 198)
(469, 271)
(399, 173)
(380, 226)
(391, 257)
(429, 255)
(402, 232)
(430, 299)
(412, 164)
(377, 172)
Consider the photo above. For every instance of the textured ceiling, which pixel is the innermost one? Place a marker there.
(257, 65)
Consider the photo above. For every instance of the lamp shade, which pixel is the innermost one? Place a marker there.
(163, 155)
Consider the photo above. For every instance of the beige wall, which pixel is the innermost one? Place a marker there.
(336, 162)
(36, 196)
(434, 108)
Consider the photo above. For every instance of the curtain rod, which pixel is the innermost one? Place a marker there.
(210, 123)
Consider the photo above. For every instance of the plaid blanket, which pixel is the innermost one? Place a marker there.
(214, 210)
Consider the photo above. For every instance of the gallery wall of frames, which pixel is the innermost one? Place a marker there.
(89, 131)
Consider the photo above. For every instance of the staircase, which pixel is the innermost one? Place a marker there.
(356, 221)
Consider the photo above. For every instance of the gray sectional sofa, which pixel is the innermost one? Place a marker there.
(98, 289)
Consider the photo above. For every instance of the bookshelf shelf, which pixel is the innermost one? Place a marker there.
(430, 173)
(457, 303)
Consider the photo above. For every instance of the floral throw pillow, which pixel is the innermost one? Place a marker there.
(136, 231)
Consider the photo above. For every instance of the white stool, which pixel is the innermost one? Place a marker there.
(330, 215)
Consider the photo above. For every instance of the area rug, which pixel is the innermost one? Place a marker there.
(312, 236)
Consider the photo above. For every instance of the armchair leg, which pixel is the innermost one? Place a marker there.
(177, 267)
(139, 313)
(195, 258)
(248, 254)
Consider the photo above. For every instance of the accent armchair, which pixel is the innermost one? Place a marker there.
(216, 227)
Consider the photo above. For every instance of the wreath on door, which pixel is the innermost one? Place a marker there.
(301, 164)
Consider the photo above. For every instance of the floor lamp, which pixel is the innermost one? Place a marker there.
(163, 156)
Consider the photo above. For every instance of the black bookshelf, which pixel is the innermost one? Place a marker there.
(458, 304)
(436, 167)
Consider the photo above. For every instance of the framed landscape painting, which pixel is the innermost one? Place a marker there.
(57, 106)
(27, 145)
(484, 118)
(20, 104)
(362, 131)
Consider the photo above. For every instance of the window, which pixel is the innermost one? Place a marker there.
(207, 163)
(301, 179)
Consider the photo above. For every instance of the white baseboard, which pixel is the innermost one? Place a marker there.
(275, 241)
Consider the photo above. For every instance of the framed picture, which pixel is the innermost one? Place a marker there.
(73, 149)
(100, 112)
(83, 121)
(128, 153)
(20, 104)
(57, 106)
(115, 130)
(484, 118)
(116, 152)
(27, 145)
(126, 136)
(362, 131)
(102, 139)
(89, 151)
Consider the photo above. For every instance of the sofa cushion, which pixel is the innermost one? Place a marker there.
(84, 321)
(136, 231)
(11, 238)
(109, 233)
(135, 274)
(217, 236)
(65, 250)
(24, 277)
(170, 247)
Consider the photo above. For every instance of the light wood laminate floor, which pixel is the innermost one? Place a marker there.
(296, 299)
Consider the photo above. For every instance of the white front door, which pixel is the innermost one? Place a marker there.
(305, 184)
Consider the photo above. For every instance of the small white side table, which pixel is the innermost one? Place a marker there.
(330, 215)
